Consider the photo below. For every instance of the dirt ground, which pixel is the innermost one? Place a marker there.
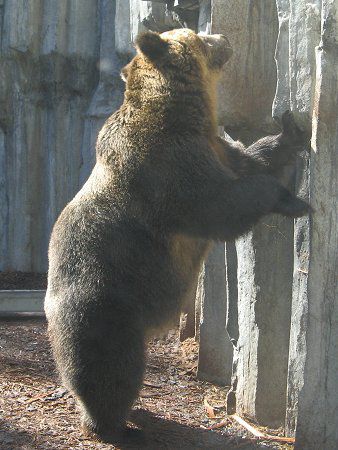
(37, 413)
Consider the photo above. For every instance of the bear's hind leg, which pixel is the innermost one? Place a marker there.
(107, 382)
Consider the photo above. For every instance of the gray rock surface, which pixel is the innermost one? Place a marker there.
(304, 35)
(264, 305)
(204, 19)
(264, 257)
(299, 33)
(282, 96)
(123, 40)
(299, 308)
(232, 292)
(50, 67)
(317, 425)
(108, 94)
(300, 87)
(249, 78)
(215, 350)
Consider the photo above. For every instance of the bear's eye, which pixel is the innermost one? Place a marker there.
(124, 74)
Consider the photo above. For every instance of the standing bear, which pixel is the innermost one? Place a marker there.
(125, 253)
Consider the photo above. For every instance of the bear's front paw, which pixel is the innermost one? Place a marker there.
(292, 133)
(292, 206)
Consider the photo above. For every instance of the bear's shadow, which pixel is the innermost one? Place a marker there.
(161, 434)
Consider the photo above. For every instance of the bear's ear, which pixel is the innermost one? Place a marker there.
(151, 45)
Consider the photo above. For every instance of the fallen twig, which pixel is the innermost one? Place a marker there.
(153, 366)
(259, 434)
(146, 383)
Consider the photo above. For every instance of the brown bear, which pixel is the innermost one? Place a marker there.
(125, 253)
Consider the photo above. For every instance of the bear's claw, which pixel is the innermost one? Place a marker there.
(293, 207)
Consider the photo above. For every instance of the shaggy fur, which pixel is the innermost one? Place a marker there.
(125, 253)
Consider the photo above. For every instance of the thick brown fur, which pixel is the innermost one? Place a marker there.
(126, 251)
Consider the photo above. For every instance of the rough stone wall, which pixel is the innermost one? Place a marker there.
(285, 358)
(263, 306)
(320, 379)
(215, 349)
(311, 89)
(299, 34)
(58, 81)
(248, 82)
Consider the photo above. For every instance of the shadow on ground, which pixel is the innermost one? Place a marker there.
(11, 438)
(161, 433)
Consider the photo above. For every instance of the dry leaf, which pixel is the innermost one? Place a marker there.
(209, 409)
(215, 426)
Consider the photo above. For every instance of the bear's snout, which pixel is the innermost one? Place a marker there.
(218, 48)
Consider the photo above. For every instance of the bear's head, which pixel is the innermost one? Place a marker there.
(181, 51)
(177, 64)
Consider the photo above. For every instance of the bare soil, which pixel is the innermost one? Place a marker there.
(36, 412)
